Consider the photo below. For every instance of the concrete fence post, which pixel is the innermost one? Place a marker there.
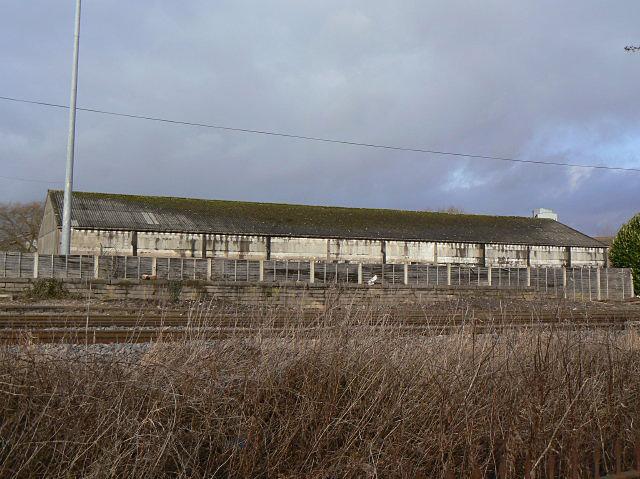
(261, 270)
(489, 272)
(154, 267)
(448, 275)
(359, 273)
(406, 273)
(209, 269)
(564, 282)
(528, 276)
(312, 271)
(36, 258)
(96, 267)
(598, 289)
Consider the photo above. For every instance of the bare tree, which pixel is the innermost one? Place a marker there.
(19, 226)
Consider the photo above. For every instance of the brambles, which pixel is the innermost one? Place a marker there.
(49, 288)
(175, 288)
(354, 396)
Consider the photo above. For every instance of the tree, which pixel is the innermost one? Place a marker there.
(19, 226)
(625, 249)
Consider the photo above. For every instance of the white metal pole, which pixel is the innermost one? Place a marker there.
(68, 183)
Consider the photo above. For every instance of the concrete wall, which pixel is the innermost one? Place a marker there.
(586, 257)
(49, 234)
(461, 253)
(409, 251)
(554, 256)
(253, 247)
(298, 248)
(276, 294)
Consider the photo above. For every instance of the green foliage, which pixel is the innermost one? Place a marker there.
(625, 250)
(48, 289)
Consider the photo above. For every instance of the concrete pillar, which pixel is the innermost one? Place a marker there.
(96, 267)
(489, 270)
(35, 265)
(210, 269)
(406, 273)
(359, 273)
(528, 276)
(448, 275)
(598, 291)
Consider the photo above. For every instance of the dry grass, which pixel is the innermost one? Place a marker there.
(348, 402)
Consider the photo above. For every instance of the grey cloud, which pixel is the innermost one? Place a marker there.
(508, 78)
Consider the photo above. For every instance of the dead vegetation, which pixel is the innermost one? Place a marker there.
(349, 402)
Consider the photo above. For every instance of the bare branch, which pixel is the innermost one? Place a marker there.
(19, 226)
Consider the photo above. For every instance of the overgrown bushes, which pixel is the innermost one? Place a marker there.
(351, 402)
(49, 288)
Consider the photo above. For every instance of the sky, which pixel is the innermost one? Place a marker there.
(544, 81)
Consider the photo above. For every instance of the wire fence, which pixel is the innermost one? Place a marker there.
(576, 283)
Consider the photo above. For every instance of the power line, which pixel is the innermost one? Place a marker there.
(29, 179)
(324, 140)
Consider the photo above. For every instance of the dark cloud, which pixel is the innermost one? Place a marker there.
(532, 80)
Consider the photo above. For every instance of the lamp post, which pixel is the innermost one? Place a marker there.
(68, 183)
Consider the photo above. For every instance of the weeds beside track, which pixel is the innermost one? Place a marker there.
(358, 398)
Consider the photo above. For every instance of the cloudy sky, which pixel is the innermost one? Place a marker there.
(543, 80)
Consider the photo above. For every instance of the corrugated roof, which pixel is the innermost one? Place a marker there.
(168, 214)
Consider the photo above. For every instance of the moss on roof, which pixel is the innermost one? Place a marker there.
(117, 211)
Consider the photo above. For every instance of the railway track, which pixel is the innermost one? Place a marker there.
(136, 335)
(117, 324)
(120, 317)
(404, 318)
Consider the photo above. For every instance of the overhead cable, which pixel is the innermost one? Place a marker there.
(325, 140)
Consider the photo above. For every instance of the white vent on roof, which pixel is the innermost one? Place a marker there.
(545, 213)
(150, 218)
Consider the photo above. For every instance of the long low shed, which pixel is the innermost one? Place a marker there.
(184, 227)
